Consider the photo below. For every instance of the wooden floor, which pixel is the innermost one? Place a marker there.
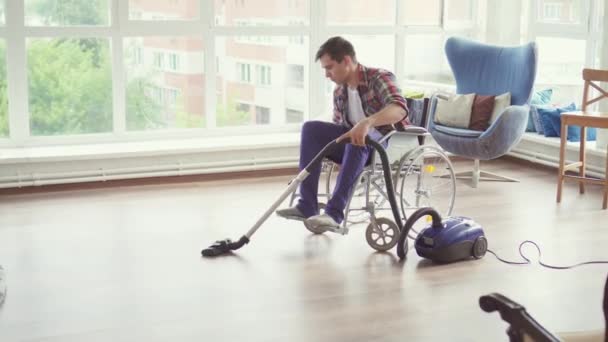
(123, 264)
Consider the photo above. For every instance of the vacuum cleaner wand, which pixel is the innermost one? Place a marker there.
(225, 246)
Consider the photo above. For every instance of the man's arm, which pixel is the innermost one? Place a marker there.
(394, 110)
(389, 115)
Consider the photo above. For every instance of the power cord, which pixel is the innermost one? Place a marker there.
(528, 261)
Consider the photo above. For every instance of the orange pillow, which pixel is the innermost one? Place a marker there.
(481, 112)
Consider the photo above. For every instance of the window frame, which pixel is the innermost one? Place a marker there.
(121, 27)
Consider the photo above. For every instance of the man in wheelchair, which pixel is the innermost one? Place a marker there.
(367, 101)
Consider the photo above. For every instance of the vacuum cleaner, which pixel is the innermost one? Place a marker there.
(225, 246)
(444, 240)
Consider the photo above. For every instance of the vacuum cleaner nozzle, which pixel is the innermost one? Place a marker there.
(224, 246)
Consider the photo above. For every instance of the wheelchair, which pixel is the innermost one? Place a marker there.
(422, 176)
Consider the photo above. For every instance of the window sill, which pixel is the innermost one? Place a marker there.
(16, 155)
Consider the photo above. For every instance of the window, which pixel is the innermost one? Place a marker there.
(262, 75)
(2, 20)
(178, 102)
(139, 55)
(566, 36)
(4, 129)
(243, 72)
(425, 60)
(295, 75)
(294, 116)
(561, 69)
(173, 62)
(262, 115)
(163, 10)
(70, 86)
(374, 50)
(273, 13)
(261, 58)
(561, 11)
(262, 40)
(171, 96)
(360, 12)
(268, 88)
(552, 11)
(67, 13)
(159, 59)
(459, 11)
(420, 13)
(243, 107)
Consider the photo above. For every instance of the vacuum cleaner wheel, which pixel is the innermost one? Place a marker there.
(383, 235)
(480, 246)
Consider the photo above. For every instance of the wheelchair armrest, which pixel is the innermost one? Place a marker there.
(521, 323)
(414, 130)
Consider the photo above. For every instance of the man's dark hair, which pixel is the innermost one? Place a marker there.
(336, 48)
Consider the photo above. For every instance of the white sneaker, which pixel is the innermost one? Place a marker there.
(321, 223)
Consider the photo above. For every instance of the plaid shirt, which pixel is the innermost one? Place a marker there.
(377, 89)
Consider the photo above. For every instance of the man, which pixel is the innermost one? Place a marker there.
(367, 101)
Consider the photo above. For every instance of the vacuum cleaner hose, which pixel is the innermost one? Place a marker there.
(225, 246)
(402, 242)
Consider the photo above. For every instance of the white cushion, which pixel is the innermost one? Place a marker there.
(501, 102)
(455, 111)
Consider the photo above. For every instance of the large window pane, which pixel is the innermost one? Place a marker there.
(459, 11)
(70, 86)
(165, 82)
(67, 12)
(164, 9)
(2, 20)
(360, 12)
(561, 68)
(261, 80)
(559, 11)
(420, 12)
(425, 59)
(261, 12)
(4, 131)
(376, 51)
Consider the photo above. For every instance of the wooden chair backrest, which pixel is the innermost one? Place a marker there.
(591, 76)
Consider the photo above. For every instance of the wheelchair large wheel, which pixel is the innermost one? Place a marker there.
(382, 234)
(426, 179)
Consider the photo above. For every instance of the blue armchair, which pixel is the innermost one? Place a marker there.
(488, 70)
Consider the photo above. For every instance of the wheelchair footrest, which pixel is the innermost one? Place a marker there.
(339, 230)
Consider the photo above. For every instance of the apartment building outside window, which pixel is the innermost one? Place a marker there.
(262, 115)
(173, 62)
(552, 11)
(263, 75)
(243, 72)
(159, 60)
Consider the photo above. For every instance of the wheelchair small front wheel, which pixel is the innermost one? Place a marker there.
(382, 234)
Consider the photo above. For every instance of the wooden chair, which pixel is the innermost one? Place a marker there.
(584, 119)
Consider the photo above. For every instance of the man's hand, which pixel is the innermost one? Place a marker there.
(357, 134)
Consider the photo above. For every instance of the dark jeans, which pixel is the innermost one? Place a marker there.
(352, 160)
